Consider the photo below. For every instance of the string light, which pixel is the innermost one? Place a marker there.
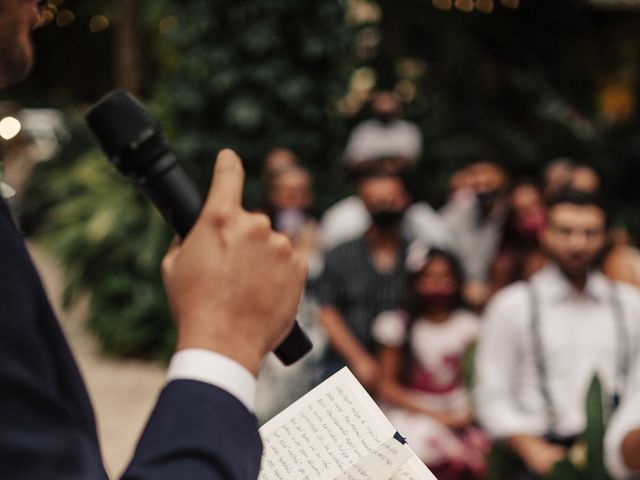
(443, 4)
(485, 6)
(48, 13)
(9, 127)
(98, 23)
(464, 5)
(65, 18)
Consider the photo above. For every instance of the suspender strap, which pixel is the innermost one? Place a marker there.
(539, 357)
(622, 363)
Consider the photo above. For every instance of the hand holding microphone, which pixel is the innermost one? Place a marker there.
(233, 284)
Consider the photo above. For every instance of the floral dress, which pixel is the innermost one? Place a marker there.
(433, 374)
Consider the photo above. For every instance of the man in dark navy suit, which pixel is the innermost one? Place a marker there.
(233, 286)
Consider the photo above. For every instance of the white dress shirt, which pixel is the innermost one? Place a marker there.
(625, 419)
(373, 139)
(579, 337)
(348, 219)
(215, 369)
(475, 238)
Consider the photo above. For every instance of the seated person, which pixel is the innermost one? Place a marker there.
(362, 278)
(543, 340)
(288, 205)
(386, 134)
(348, 218)
(622, 440)
(519, 254)
(421, 355)
(476, 226)
(288, 202)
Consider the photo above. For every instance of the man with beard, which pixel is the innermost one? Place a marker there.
(202, 426)
(543, 340)
(364, 277)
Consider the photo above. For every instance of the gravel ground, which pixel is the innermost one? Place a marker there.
(122, 391)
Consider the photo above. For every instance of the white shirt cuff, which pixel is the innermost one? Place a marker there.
(214, 369)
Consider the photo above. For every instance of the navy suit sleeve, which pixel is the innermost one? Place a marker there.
(197, 431)
(47, 427)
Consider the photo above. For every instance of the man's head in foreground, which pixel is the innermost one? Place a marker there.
(17, 19)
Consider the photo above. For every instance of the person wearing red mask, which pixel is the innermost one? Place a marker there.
(421, 359)
(519, 254)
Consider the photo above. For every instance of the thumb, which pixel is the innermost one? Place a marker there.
(225, 194)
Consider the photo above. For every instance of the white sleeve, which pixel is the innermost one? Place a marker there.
(624, 420)
(499, 365)
(215, 369)
(390, 328)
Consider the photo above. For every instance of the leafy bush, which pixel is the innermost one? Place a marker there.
(252, 75)
(109, 241)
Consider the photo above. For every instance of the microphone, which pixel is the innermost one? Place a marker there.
(133, 141)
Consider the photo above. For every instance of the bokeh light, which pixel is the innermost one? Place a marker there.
(65, 18)
(168, 24)
(9, 127)
(98, 23)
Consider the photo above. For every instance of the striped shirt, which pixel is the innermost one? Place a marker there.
(352, 285)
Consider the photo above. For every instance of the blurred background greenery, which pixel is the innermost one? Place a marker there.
(521, 81)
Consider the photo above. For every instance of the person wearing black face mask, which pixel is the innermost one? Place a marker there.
(385, 134)
(476, 226)
(362, 278)
(387, 219)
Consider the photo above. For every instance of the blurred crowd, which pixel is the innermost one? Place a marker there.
(477, 325)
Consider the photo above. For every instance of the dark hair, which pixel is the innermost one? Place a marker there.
(413, 309)
(458, 275)
(406, 176)
(580, 198)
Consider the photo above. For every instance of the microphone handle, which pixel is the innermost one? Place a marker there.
(177, 198)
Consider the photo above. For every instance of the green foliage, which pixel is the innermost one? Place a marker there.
(522, 86)
(249, 74)
(109, 240)
(585, 459)
(590, 465)
(254, 75)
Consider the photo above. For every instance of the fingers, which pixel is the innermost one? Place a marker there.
(170, 257)
(225, 195)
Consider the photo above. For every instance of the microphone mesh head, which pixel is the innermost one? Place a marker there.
(119, 120)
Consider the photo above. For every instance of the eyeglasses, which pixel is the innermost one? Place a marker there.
(47, 12)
